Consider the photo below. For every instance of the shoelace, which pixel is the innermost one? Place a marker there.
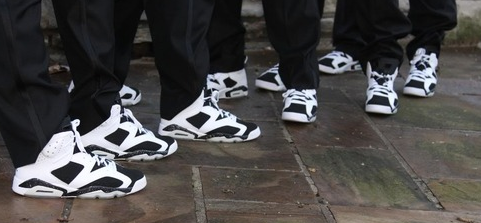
(382, 81)
(295, 94)
(130, 116)
(101, 161)
(212, 99)
(274, 69)
(421, 63)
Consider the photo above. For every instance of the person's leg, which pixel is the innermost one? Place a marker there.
(293, 28)
(346, 39)
(430, 20)
(47, 155)
(381, 23)
(127, 15)
(188, 111)
(32, 107)
(89, 48)
(225, 38)
(87, 32)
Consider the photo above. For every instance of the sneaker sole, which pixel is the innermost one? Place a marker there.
(42, 189)
(348, 68)
(296, 117)
(380, 109)
(269, 86)
(417, 92)
(131, 102)
(135, 156)
(185, 134)
(232, 94)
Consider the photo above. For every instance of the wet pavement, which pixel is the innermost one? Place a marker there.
(421, 165)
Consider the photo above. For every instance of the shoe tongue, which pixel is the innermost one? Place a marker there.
(385, 66)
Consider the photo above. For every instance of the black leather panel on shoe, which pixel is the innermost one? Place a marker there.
(297, 108)
(377, 100)
(117, 137)
(198, 120)
(250, 126)
(68, 172)
(133, 174)
(224, 130)
(105, 182)
(229, 82)
(146, 146)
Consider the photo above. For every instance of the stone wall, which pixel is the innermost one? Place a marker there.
(467, 33)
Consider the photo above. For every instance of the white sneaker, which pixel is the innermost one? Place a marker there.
(128, 95)
(300, 106)
(64, 170)
(381, 97)
(337, 62)
(271, 80)
(205, 121)
(122, 137)
(422, 77)
(230, 85)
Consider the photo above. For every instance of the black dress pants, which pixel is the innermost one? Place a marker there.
(293, 28)
(32, 108)
(178, 29)
(376, 25)
(87, 32)
(226, 37)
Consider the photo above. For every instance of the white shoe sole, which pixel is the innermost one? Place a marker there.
(347, 68)
(380, 109)
(269, 86)
(296, 117)
(187, 134)
(417, 92)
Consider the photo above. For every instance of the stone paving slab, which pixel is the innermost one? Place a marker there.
(420, 165)
(438, 154)
(386, 215)
(360, 177)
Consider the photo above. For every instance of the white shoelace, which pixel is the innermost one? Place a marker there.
(382, 83)
(130, 116)
(421, 60)
(274, 69)
(212, 99)
(101, 161)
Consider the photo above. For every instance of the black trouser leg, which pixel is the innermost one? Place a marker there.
(226, 37)
(294, 31)
(126, 21)
(87, 32)
(381, 23)
(32, 108)
(179, 31)
(345, 34)
(430, 19)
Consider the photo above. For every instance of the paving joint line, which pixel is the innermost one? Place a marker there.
(200, 209)
(409, 170)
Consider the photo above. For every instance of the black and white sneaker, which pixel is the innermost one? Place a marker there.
(337, 62)
(381, 97)
(300, 106)
(122, 137)
(64, 169)
(271, 80)
(205, 121)
(422, 77)
(128, 95)
(230, 85)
